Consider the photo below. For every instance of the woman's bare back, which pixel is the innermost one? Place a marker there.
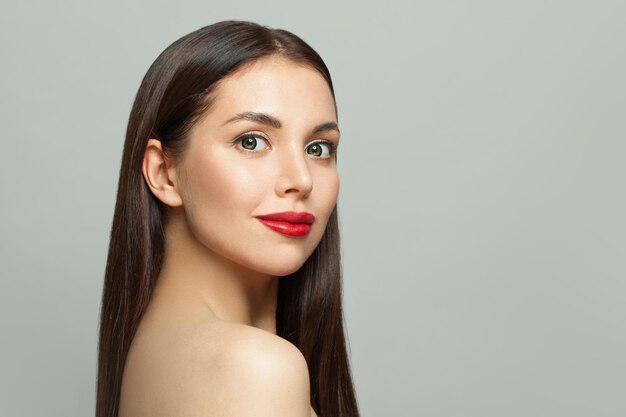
(186, 362)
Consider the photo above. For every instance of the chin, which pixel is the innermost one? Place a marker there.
(283, 269)
(280, 260)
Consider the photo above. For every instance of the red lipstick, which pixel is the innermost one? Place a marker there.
(288, 222)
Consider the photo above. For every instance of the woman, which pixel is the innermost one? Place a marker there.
(222, 291)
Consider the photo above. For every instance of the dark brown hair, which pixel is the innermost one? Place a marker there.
(175, 91)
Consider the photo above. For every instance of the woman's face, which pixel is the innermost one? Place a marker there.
(265, 146)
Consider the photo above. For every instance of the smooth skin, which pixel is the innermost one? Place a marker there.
(207, 345)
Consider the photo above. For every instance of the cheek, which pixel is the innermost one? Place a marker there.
(237, 185)
(224, 183)
(330, 190)
(220, 196)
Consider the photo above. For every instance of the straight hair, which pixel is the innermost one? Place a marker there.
(178, 89)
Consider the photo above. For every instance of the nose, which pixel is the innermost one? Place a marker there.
(294, 174)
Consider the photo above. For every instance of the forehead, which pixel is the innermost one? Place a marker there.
(278, 86)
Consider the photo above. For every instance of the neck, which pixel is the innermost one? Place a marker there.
(194, 276)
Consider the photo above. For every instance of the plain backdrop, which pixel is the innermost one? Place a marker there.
(481, 208)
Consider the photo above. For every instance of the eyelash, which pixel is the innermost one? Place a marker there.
(332, 147)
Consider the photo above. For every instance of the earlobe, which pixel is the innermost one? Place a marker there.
(159, 178)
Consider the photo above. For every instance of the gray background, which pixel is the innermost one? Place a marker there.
(482, 197)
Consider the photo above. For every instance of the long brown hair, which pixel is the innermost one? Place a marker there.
(175, 91)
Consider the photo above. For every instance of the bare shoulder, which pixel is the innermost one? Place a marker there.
(260, 373)
(220, 369)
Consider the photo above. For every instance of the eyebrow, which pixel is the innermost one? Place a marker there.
(269, 120)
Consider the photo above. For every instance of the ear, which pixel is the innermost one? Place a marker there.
(160, 177)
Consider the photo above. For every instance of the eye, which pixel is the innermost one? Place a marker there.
(322, 149)
(250, 142)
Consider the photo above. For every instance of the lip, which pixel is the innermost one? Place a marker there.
(289, 223)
